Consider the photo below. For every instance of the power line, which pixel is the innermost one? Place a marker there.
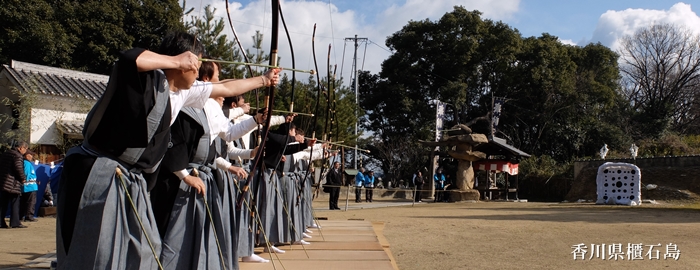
(330, 17)
(382, 47)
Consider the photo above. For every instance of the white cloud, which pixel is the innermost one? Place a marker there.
(614, 25)
(395, 17)
(334, 25)
(567, 42)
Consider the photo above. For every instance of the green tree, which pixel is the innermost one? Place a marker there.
(83, 35)
(217, 44)
(305, 96)
(98, 30)
(560, 103)
(148, 21)
(31, 32)
(561, 100)
(455, 59)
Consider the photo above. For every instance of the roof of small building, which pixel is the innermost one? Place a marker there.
(71, 129)
(33, 78)
(499, 146)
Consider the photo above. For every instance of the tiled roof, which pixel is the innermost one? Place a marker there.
(72, 129)
(56, 81)
(498, 146)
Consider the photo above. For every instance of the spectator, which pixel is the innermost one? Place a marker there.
(439, 179)
(27, 200)
(334, 180)
(359, 182)
(402, 185)
(11, 179)
(448, 186)
(369, 186)
(418, 182)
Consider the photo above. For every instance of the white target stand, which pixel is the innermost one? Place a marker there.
(619, 183)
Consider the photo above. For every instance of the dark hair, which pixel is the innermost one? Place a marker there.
(179, 42)
(229, 100)
(300, 131)
(207, 69)
(285, 128)
(22, 144)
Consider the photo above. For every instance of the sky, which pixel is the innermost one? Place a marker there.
(574, 22)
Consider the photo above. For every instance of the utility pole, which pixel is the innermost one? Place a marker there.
(355, 71)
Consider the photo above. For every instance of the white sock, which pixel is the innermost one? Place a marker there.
(274, 250)
(308, 231)
(315, 226)
(254, 258)
(301, 242)
(306, 235)
(260, 258)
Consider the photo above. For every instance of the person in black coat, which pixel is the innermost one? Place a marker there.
(12, 179)
(334, 180)
(419, 181)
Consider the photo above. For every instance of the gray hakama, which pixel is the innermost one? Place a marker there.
(270, 207)
(190, 241)
(227, 233)
(292, 217)
(245, 224)
(305, 203)
(228, 195)
(108, 232)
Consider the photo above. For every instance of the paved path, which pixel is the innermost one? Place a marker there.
(339, 245)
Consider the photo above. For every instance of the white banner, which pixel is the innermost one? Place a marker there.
(497, 104)
(439, 117)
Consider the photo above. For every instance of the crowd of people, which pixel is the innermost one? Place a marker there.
(365, 180)
(441, 181)
(19, 185)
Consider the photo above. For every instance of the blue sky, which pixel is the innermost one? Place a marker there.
(574, 22)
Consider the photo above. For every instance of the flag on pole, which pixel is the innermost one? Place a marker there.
(497, 105)
(439, 119)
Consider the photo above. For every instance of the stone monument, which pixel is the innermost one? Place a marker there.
(460, 141)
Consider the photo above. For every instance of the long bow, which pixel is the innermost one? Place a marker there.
(240, 47)
(318, 100)
(269, 101)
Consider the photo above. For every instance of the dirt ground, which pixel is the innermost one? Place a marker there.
(485, 235)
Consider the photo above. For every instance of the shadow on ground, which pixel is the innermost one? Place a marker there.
(592, 213)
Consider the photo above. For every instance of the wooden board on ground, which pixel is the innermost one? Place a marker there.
(347, 245)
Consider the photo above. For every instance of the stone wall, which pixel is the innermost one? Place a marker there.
(676, 177)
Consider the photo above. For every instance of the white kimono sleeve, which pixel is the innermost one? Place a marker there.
(277, 120)
(234, 153)
(222, 164)
(235, 113)
(235, 131)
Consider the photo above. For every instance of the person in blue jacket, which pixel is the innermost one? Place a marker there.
(359, 182)
(439, 179)
(369, 186)
(27, 200)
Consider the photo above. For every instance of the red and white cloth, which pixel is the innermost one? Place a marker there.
(497, 165)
